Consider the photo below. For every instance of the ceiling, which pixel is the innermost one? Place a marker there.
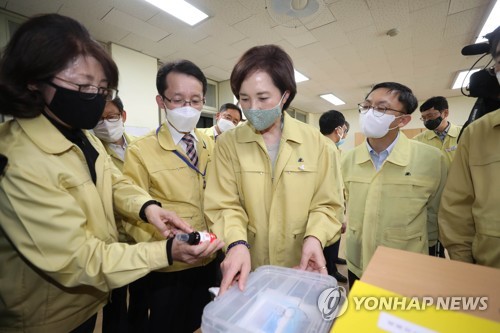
(344, 57)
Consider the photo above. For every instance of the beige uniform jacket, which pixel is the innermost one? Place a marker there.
(123, 236)
(114, 156)
(447, 147)
(152, 163)
(244, 200)
(469, 217)
(396, 206)
(58, 251)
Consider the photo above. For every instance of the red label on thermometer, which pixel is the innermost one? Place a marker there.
(196, 237)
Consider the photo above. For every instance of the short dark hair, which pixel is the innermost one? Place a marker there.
(271, 59)
(39, 49)
(330, 120)
(118, 103)
(405, 95)
(180, 66)
(231, 106)
(437, 102)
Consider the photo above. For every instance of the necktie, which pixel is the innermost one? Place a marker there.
(190, 149)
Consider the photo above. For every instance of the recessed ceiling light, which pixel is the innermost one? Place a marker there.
(332, 99)
(181, 9)
(459, 81)
(299, 77)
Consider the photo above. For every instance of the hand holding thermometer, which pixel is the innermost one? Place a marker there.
(196, 237)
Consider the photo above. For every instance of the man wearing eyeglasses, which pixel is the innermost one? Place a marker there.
(393, 184)
(440, 133)
(228, 117)
(171, 164)
(110, 130)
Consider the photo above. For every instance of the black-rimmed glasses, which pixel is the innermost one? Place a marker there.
(89, 91)
(180, 102)
(378, 111)
(111, 118)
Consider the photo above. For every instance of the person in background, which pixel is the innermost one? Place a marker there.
(228, 117)
(110, 130)
(59, 244)
(393, 184)
(347, 128)
(332, 126)
(271, 192)
(441, 134)
(469, 216)
(171, 164)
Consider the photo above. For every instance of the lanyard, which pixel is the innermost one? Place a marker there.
(188, 162)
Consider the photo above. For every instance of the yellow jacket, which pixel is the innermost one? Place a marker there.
(244, 201)
(151, 163)
(396, 206)
(447, 147)
(114, 157)
(58, 252)
(209, 131)
(118, 162)
(469, 217)
(340, 212)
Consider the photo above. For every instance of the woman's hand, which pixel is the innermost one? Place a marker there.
(190, 254)
(167, 222)
(312, 256)
(235, 268)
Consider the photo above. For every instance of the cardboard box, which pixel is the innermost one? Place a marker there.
(432, 295)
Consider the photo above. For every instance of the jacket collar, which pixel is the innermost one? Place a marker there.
(400, 155)
(495, 118)
(291, 131)
(45, 135)
(453, 131)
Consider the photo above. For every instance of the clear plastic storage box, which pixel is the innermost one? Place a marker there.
(276, 299)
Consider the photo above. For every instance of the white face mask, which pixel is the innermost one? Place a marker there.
(225, 125)
(109, 131)
(373, 126)
(183, 119)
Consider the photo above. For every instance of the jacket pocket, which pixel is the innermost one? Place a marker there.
(354, 246)
(398, 238)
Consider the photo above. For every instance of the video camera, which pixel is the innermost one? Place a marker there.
(483, 84)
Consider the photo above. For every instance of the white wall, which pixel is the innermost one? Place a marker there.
(459, 108)
(137, 88)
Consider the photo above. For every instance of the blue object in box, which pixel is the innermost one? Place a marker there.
(276, 300)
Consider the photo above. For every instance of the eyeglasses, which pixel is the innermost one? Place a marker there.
(111, 118)
(179, 102)
(430, 116)
(88, 91)
(378, 111)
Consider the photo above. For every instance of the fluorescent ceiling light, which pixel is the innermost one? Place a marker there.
(332, 99)
(491, 23)
(180, 9)
(299, 77)
(460, 78)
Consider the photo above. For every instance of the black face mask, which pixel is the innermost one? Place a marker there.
(72, 108)
(432, 124)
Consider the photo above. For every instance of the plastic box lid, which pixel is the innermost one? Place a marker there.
(276, 299)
